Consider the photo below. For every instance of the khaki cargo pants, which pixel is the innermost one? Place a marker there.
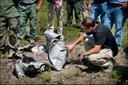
(52, 10)
(103, 58)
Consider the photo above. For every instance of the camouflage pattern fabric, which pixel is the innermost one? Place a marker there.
(9, 22)
(8, 30)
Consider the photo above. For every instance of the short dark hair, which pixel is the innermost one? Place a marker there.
(88, 22)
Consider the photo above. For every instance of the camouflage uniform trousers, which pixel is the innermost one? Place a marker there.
(103, 58)
(8, 31)
(27, 12)
(76, 6)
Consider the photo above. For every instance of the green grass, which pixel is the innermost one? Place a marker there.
(46, 76)
(61, 79)
(125, 35)
(115, 77)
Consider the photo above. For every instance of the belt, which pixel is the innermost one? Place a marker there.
(22, 3)
(113, 4)
(100, 1)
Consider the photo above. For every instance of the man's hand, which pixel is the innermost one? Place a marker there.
(70, 47)
(80, 57)
(39, 5)
(83, 59)
(124, 5)
(37, 8)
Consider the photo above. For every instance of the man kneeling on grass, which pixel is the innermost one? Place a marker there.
(100, 49)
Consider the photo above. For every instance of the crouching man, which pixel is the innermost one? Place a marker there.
(101, 51)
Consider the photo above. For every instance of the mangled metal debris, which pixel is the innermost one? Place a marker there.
(56, 49)
(35, 58)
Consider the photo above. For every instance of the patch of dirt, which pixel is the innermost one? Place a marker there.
(73, 72)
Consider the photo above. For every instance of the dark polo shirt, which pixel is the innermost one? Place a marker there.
(103, 36)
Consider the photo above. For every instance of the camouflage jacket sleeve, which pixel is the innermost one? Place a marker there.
(9, 8)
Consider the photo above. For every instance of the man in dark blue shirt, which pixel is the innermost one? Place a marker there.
(101, 54)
